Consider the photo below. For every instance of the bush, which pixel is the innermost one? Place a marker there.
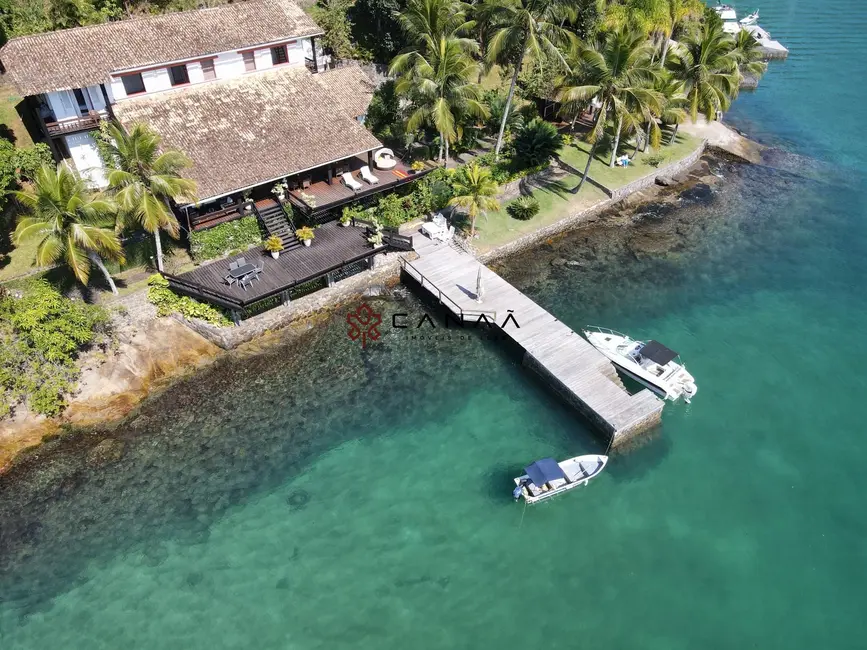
(221, 240)
(17, 164)
(523, 208)
(536, 143)
(168, 302)
(654, 160)
(41, 335)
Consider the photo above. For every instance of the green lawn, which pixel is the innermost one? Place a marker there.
(615, 177)
(555, 203)
(9, 119)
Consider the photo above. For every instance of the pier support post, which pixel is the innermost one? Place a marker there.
(284, 297)
(329, 279)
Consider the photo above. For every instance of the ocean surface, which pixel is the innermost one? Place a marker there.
(321, 495)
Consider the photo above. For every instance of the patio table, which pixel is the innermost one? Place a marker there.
(241, 271)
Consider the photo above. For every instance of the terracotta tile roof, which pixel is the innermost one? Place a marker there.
(84, 56)
(248, 130)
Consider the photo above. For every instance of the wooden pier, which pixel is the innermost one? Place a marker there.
(561, 357)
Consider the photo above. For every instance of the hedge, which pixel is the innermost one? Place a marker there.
(233, 236)
(168, 302)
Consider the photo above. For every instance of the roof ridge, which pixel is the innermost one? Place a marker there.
(139, 19)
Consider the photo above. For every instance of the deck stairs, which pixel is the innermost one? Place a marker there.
(277, 223)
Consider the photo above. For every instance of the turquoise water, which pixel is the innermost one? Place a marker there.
(319, 496)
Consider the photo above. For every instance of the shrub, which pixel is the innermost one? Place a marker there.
(168, 302)
(41, 336)
(221, 240)
(523, 208)
(536, 143)
(654, 160)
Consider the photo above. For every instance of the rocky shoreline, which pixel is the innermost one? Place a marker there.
(153, 353)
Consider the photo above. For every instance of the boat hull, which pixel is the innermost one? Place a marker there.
(575, 468)
(672, 385)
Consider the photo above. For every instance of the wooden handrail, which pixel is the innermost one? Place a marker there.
(440, 295)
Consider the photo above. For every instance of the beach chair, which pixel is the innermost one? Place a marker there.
(350, 182)
(368, 176)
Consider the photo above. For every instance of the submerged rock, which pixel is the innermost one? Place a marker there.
(107, 452)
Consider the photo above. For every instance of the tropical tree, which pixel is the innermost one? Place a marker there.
(537, 142)
(475, 190)
(144, 180)
(437, 84)
(707, 65)
(674, 103)
(749, 55)
(677, 12)
(526, 30)
(71, 222)
(616, 70)
(425, 21)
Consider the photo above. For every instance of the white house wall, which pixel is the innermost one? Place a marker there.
(226, 66)
(85, 157)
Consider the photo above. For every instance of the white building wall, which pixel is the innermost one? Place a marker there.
(296, 51)
(194, 70)
(97, 101)
(117, 91)
(230, 64)
(85, 157)
(156, 80)
(263, 59)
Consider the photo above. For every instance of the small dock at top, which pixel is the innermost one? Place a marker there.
(561, 357)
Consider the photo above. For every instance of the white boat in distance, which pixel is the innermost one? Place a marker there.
(546, 477)
(651, 363)
(752, 19)
(726, 12)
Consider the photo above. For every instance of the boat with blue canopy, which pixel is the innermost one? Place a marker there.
(546, 477)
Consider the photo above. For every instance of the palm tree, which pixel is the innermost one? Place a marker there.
(144, 181)
(708, 67)
(425, 21)
(439, 88)
(475, 190)
(528, 27)
(677, 12)
(71, 222)
(616, 70)
(674, 101)
(749, 55)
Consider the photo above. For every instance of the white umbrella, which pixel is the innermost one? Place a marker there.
(480, 290)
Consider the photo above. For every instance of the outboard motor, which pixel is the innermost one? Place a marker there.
(517, 491)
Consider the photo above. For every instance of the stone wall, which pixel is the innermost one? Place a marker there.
(386, 270)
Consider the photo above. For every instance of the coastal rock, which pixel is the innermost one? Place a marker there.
(653, 243)
(665, 181)
(107, 452)
(574, 264)
(559, 261)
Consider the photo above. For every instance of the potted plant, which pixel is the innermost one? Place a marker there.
(305, 235)
(417, 166)
(247, 201)
(273, 245)
(375, 236)
(346, 217)
(279, 190)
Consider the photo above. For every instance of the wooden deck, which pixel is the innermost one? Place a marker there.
(329, 196)
(333, 248)
(559, 355)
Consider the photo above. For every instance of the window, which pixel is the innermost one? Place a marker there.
(133, 84)
(279, 55)
(208, 70)
(178, 75)
(249, 61)
(80, 99)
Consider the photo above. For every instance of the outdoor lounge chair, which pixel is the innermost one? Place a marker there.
(350, 182)
(368, 176)
(384, 159)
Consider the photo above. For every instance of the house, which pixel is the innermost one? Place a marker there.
(244, 89)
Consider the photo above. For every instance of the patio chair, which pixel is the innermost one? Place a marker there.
(446, 235)
(241, 262)
(246, 281)
(350, 182)
(233, 265)
(384, 159)
(368, 176)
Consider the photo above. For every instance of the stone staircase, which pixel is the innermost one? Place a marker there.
(277, 223)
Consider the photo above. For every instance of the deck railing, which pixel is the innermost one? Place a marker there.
(83, 123)
(455, 308)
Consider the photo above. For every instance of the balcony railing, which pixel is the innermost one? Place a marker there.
(83, 123)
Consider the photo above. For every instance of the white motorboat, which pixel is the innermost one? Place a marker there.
(546, 477)
(651, 363)
(752, 19)
(726, 12)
